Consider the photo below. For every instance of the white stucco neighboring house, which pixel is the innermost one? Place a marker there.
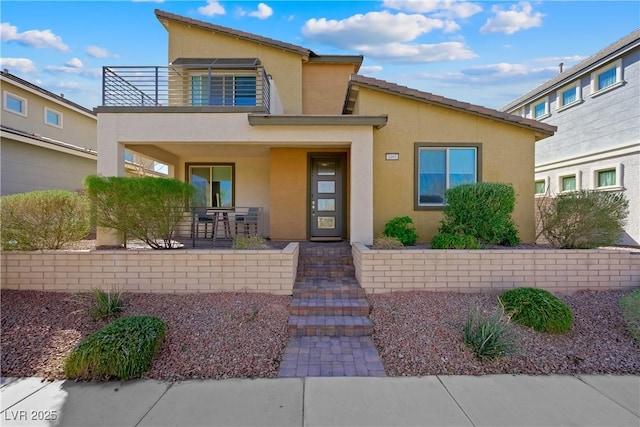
(596, 107)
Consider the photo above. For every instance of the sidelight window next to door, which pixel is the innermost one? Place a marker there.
(213, 185)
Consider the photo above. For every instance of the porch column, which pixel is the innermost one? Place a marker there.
(361, 191)
(110, 163)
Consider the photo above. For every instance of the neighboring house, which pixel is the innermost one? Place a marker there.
(596, 107)
(326, 153)
(48, 142)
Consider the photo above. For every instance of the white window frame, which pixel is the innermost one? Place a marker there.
(24, 101)
(547, 183)
(619, 78)
(578, 176)
(617, 187)
(532, 108)
(59, 113)
(561, 91)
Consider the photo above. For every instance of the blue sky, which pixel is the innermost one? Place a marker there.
(482, 52)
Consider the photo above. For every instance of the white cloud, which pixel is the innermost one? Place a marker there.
(71, 70)
(554, 59)
(212, 8)
(370, 29)
(263, 12)
(370, 69)
(406, 53)
(519, 17)
(495, 74)
(39, 39)
(74, 63)
(451, 9)
(21, 65)
(97, 52)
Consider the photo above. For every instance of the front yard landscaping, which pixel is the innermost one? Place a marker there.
(240, 335)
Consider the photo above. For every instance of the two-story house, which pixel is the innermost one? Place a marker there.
(324, 152)
(596, 107)
(48, 142)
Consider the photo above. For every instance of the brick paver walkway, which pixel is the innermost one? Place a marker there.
(329, 328)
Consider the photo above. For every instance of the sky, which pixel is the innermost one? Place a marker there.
(483, 52)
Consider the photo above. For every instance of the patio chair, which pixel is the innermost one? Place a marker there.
(248, 222)
(201, 217)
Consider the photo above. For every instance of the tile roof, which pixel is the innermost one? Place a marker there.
(234, 33)
(629, 41)
(376, 84)
(59, 98)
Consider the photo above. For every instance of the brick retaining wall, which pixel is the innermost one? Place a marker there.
(168, 271)
(381, 271)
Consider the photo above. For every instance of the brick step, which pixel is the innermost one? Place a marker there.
(344, 252)
(320, 274)
(330, 326)
(329, 307)
(328, 292)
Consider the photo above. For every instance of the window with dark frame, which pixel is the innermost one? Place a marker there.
(439, 167)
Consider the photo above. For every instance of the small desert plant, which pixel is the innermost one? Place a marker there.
(43, 219)
(482, 210)
(106, 303)
(537, 309)
(454, 241)
(385, 242)
(583, 219)
(250, 243)
(402, 229)
(489, 336)
(630, 305)
(122, 349)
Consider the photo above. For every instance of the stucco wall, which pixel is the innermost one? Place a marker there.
(285, 67)
(26, 167)
(271, 271)
(77, 128)
(324, 87)
(380, 271)
(507, 156)
(288, 189)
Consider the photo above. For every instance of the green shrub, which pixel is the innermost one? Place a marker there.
(630, 305)
(123, 349)
(147, 208)
(584, 219)
(490, 337)
(538, 309)
(106, 303)
(385, 242)
(402, 229)
(482, 210)
(250, 243)
(43, 219)
(454, 241)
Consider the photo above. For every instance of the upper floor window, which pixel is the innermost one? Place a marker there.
(569, 95)
(223, 90)
(606, 78)
(608, 177)
(52, 117)
(540, 110)
(541, 187)
(15, 104)
(440, 167)
(571, 181)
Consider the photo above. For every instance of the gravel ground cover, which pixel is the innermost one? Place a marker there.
(420, 333)
(217, 335)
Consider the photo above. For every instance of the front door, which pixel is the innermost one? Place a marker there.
(326, 208)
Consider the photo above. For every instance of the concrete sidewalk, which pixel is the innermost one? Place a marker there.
(494, 400)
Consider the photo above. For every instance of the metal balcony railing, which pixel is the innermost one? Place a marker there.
(186, 85)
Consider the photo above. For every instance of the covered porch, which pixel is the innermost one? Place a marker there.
(307, 177)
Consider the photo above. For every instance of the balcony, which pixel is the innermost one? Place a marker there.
(217, 85)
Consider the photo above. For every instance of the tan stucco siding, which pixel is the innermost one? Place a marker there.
(285, 67)
(507, 156)
(77, 128)
(324, 87)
